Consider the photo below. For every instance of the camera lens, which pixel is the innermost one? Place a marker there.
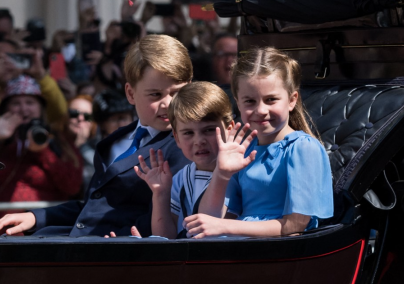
(39, 135)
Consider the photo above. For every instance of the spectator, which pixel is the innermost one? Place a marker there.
(80, 119)
(36, 38)
(85, 88)
(9, 70)
(111, 111)
(6, 24)
(41, 164)
(109, 71)
(83, 131)
(224, 53)
(57, 105)
(6, 66)
(77, 70)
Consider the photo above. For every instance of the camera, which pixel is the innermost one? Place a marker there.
(21, 60)
(38, 130)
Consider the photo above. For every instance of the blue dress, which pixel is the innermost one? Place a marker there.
(289, 176)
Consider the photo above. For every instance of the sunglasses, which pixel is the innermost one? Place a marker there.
(222, 54)
(74, 113)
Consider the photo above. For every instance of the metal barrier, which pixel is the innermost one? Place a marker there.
(27, 205)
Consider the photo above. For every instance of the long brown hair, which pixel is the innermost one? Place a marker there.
(264, 61)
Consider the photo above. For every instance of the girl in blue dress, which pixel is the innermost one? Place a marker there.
(280, 173)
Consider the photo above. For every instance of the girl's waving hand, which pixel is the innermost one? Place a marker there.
(229, 161)
(231, 153)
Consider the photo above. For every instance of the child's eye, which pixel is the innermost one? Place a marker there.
(249, 101)
(210, 130)
(155, 95)
(188, 133)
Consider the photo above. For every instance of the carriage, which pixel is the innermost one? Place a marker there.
(353, 88)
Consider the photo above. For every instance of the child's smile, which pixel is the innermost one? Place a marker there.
(163, 117)
(265, 104)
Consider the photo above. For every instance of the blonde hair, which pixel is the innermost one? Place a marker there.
(264, 61)
(200, 101)
(161, 52)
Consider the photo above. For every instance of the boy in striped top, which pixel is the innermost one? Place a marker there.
(194, 113)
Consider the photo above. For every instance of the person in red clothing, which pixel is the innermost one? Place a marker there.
(40, 163)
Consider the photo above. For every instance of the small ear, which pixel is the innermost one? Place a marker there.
(231, 125)
(293, 100)
(130, 94)
(176, 139)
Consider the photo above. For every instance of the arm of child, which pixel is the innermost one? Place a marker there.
(230, 160)
(201, 225)
(20, 221)
(159, 179)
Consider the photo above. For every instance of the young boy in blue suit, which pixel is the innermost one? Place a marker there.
(155, 68)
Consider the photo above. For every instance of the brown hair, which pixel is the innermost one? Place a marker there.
(264, 61)
(161, 52)
(200, 101)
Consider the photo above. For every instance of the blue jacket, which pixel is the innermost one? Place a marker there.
(116, 198)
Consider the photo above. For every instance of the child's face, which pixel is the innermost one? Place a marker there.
(197, 140)
(265, 104)
(151, 97)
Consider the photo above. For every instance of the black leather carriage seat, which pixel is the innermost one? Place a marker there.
(347, 118)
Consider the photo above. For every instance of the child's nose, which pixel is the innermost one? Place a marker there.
(262, 109)
(165, 101)
(200, 140)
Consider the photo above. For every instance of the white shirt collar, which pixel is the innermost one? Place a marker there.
(152, 132)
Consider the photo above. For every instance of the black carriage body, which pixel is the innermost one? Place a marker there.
(303, 259)
(337, 253)
(353, 91)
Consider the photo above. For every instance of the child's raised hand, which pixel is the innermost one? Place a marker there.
(230, 158)
(159, 176)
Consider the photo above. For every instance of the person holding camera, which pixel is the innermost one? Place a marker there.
(40, 164)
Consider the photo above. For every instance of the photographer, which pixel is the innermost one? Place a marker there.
(40, 163)
(10, 69)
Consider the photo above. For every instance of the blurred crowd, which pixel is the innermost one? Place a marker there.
(58, 101)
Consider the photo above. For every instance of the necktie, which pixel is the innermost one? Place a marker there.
(140, 133)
